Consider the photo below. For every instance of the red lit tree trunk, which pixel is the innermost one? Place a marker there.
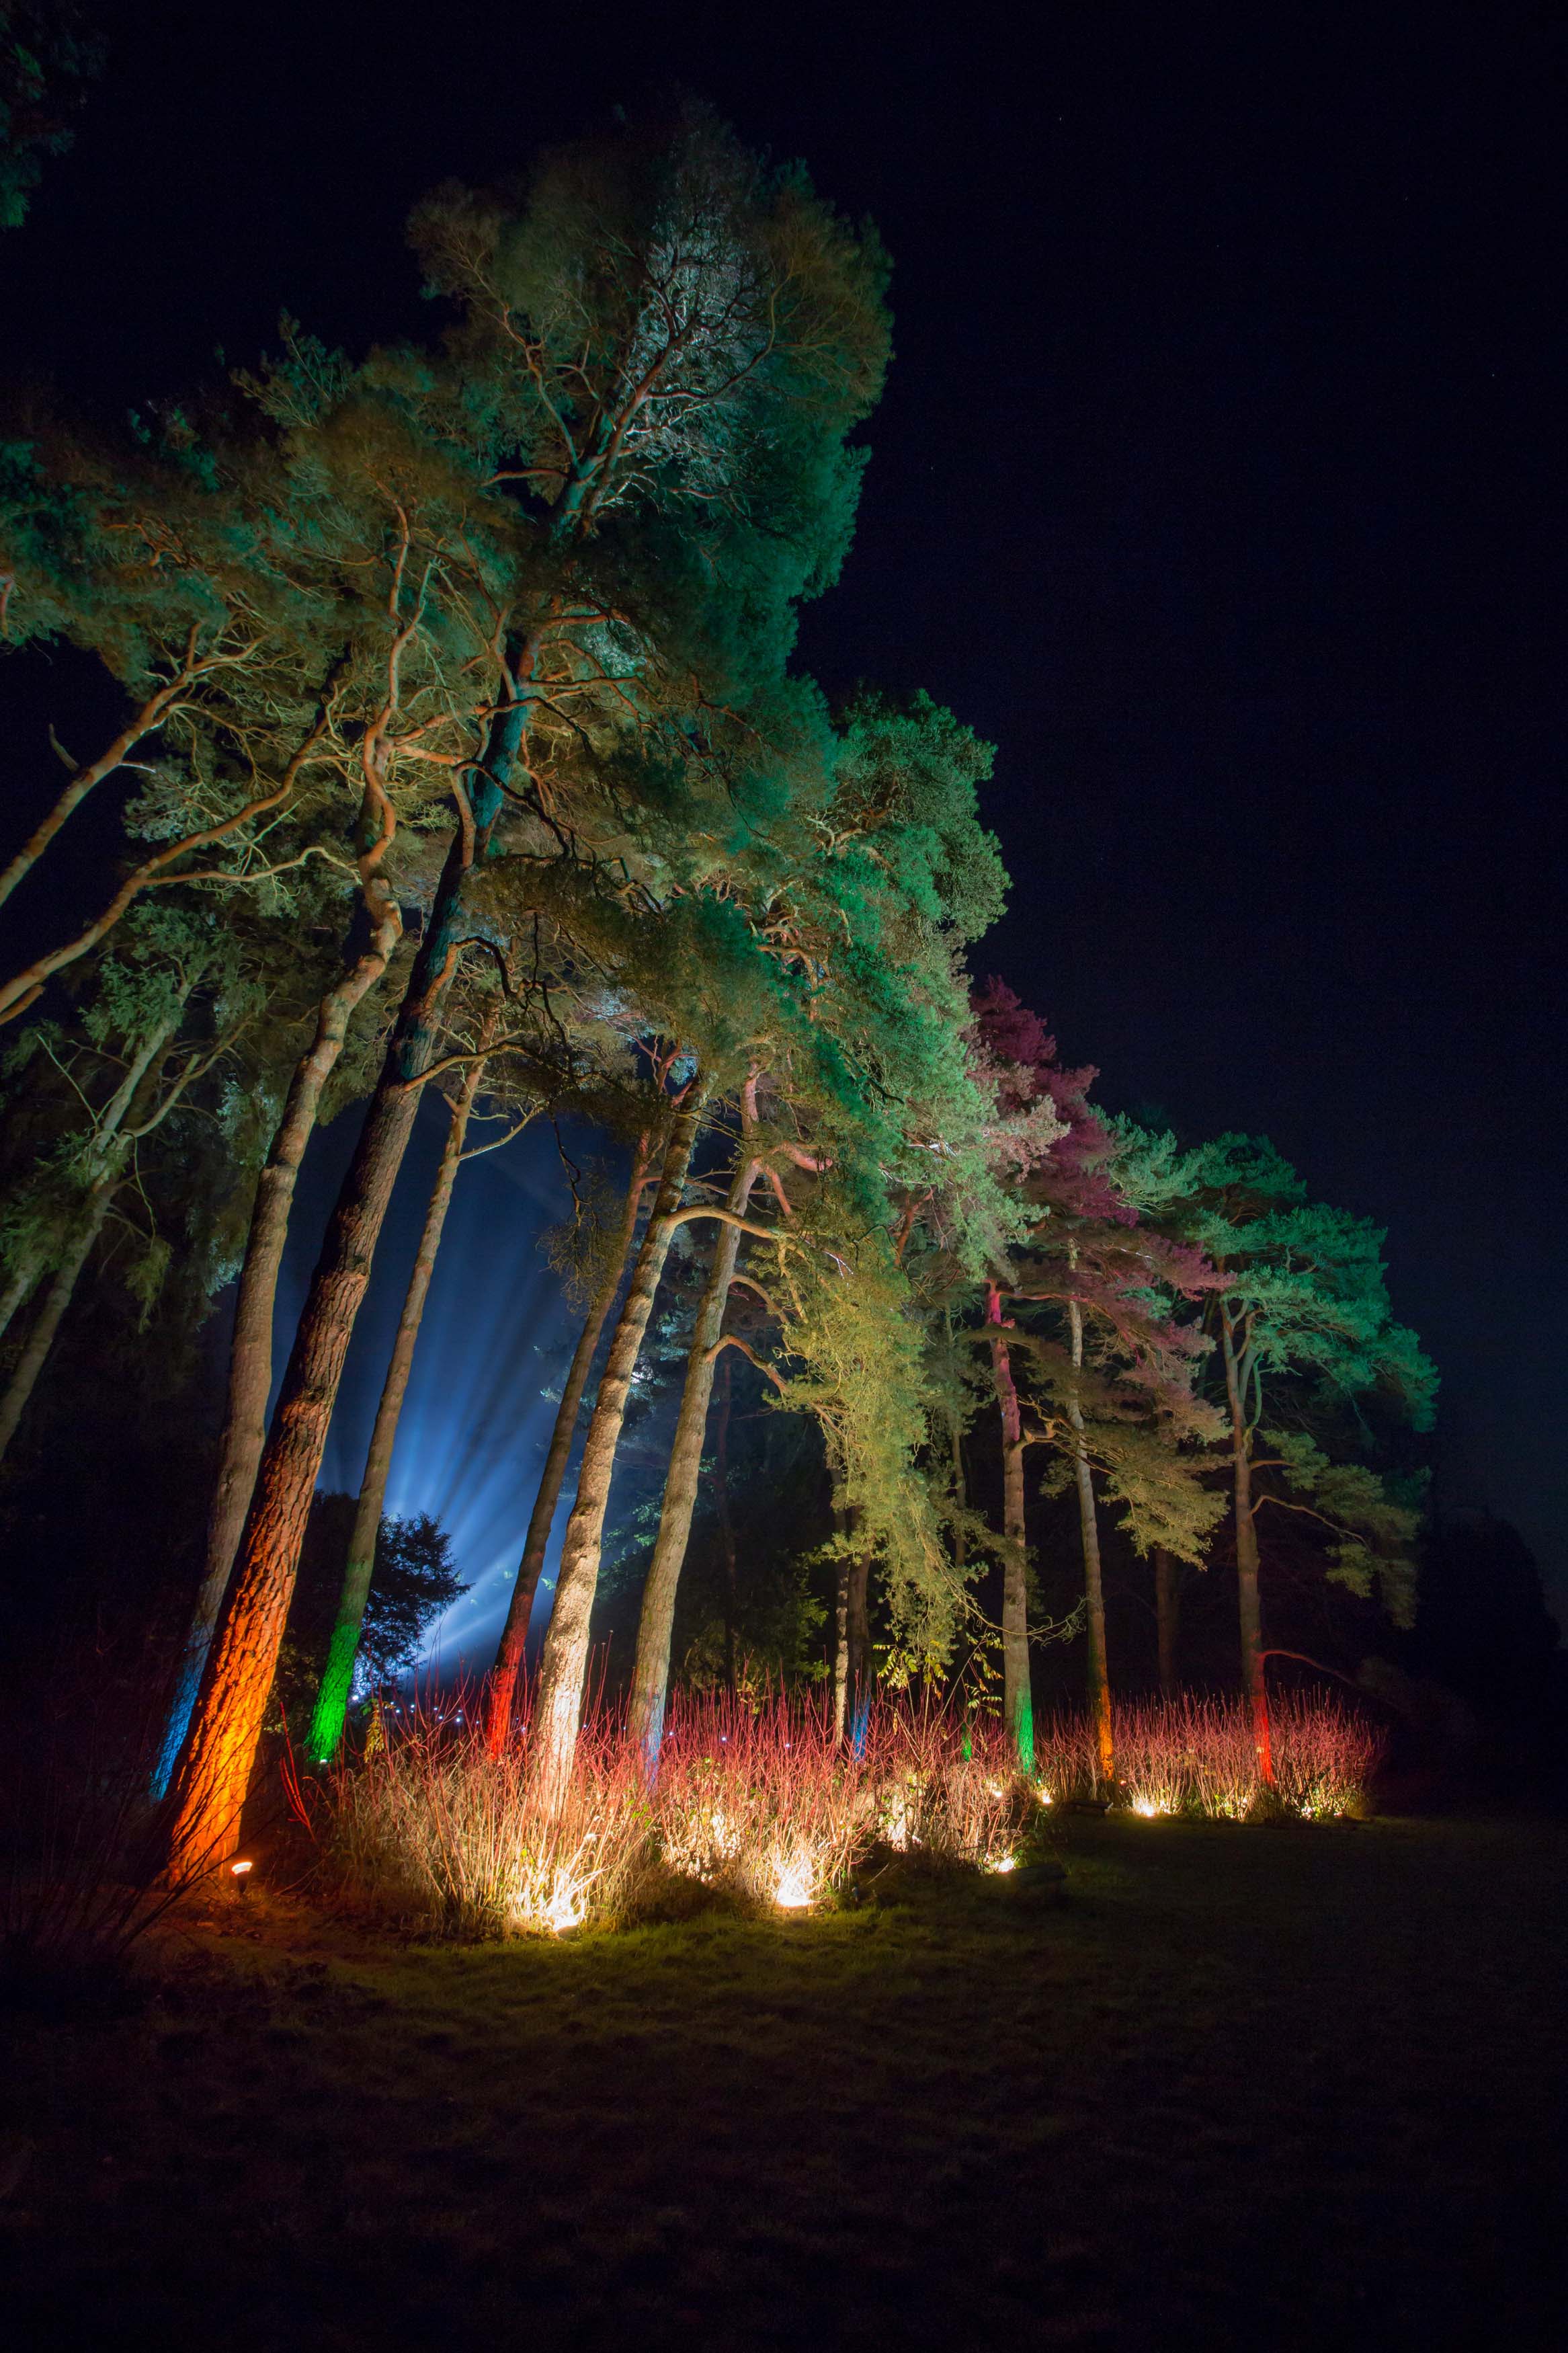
(1167, 1616)
(1249, 1606)
(650, 1681)
(1093, 1585)
(250, 1352)
(563, 1667)
(500, 1692)
(1017, 1693)
(333, 1699)
(227, 1722)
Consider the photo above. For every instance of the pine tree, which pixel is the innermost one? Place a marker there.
(1302, 1318)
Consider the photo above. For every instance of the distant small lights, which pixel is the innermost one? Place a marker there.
(1004, 1862)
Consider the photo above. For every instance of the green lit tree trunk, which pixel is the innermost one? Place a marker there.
(1249, 1604)
(564, 1664)
(1018, 1691)
(1093, 1584)
(500, 1691)
(333, 1699)
(1167, 1618)
(226, 1727)
(651, 1680)
(244, 1429)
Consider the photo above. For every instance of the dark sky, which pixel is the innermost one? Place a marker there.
(1220, 480)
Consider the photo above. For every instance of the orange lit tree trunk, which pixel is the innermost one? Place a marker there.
(564, 1664)
(333, 1699)
(1249, 1604)
(500, 1691)
(1017, 1693)
(250, 1351)
(651, 1680)
(1093, 1583)
(226, 1723)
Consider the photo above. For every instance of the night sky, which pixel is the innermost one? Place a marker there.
(1220, 480)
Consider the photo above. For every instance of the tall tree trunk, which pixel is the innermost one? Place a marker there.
(960, 1490)
(651, 1680)
(564, 1664)
(841, 1648)
(500, 1691)
(1017, 1689)
(226, 1724)
(51, 1315)
(106, 1158)
(1167, 1616)
(333, 1699)
(250, 1351)
(19, 1289)
(1093, 1584)
(857, 1636)
(1249, 1606)
(726, 1524)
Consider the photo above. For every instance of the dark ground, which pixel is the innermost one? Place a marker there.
(1254, 2086)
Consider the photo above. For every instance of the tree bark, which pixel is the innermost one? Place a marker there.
(1018, 1689)
(726, 1525)
(500, 1691)
(1249, 1604)
(1093, 1584)
(651, 1680)
(250, 1352)
(51, 1315)
(227, 1722)
(841, 1648)
(1167, 1616)
(564, 1664)
(106, 1154)
(333, 1699)
(19, 1289)
(857, 1639)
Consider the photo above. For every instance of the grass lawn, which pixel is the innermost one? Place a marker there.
(1292, 2087)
